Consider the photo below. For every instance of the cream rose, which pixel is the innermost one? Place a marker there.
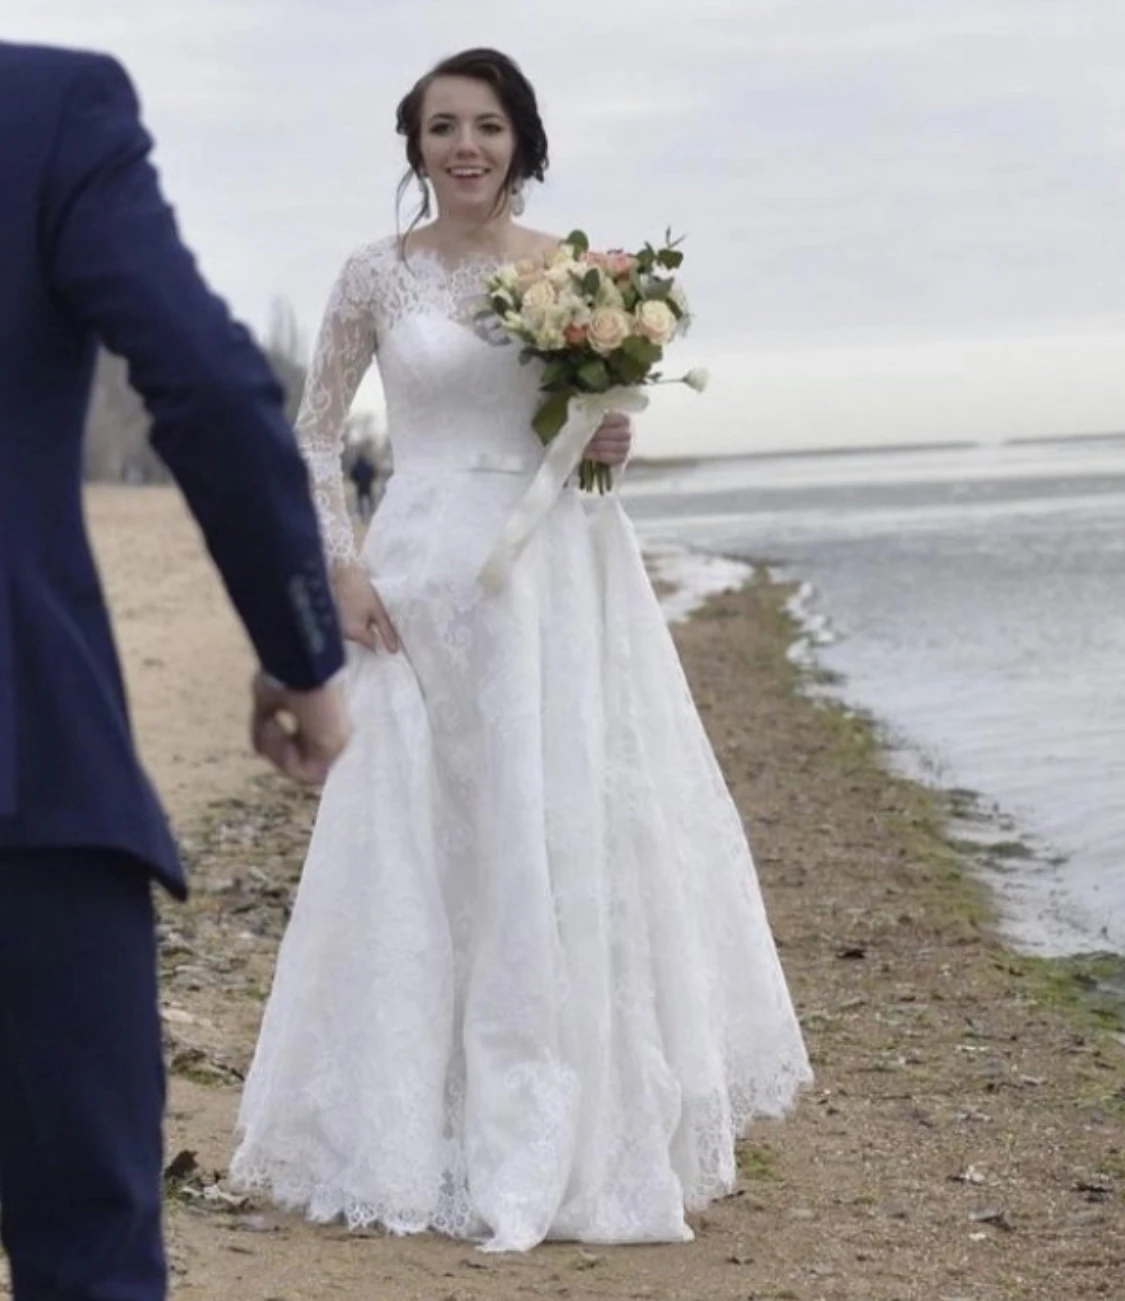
(608, 330)
(656, 322)
(562, 273)
(539, 297)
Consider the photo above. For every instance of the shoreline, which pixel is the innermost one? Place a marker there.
(996, 842)
(982, 838)
(987, 839)
(964, 1139)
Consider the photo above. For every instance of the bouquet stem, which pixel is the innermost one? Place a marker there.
(595, 474)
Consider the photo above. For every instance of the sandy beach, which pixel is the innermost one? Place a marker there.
(965, 1137)
(187, 660)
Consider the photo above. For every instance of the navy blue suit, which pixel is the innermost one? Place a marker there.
(89, 254)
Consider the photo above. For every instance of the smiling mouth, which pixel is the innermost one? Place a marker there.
(467, 173)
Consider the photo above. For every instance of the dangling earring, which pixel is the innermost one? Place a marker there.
(516, 203)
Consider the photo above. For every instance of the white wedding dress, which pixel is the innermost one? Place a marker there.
(529, 989)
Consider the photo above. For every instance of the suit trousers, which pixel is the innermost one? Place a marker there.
(81, 1078)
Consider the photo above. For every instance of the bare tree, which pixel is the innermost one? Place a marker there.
(117, 449)
(285, 349)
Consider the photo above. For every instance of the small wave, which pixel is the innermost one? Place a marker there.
(686, 578)
(816, 628)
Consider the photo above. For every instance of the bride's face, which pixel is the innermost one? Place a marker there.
(467, 145)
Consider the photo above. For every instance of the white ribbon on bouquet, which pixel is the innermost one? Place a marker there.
(584, 416)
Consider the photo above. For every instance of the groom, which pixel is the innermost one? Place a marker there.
(89, 252)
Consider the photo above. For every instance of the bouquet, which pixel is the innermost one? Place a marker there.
(600, 322)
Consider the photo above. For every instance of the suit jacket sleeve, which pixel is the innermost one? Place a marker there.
(115, 259)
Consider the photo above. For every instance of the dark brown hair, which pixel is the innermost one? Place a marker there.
(517, 98)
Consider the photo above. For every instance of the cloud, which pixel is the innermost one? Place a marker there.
(881, 167)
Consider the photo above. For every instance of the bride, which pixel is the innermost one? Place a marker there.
(529, 989)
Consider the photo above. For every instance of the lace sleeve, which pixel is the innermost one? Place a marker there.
(344, 348)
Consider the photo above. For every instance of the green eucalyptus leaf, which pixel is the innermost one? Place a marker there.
(594, 376)
(551, 416)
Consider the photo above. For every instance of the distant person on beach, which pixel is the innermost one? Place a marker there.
(363, 475)
(89, 255)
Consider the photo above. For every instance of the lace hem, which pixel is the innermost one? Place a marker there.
(302, 1176)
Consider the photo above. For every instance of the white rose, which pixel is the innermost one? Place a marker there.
(562, 273)
(609, 328)
(656, 322)
(575, 308)
(538, 298)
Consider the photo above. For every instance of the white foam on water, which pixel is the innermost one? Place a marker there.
(693, 577)
(815, 627)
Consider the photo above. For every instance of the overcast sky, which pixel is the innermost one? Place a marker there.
(905, 218)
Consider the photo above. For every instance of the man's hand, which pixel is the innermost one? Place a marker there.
(613, 440)
(302, 733)
(363, 616)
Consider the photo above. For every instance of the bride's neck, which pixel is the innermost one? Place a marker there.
(471, 234)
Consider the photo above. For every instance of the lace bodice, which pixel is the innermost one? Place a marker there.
(456, 400)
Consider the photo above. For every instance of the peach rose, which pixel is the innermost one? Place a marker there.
(576, 335)
(608, 330)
